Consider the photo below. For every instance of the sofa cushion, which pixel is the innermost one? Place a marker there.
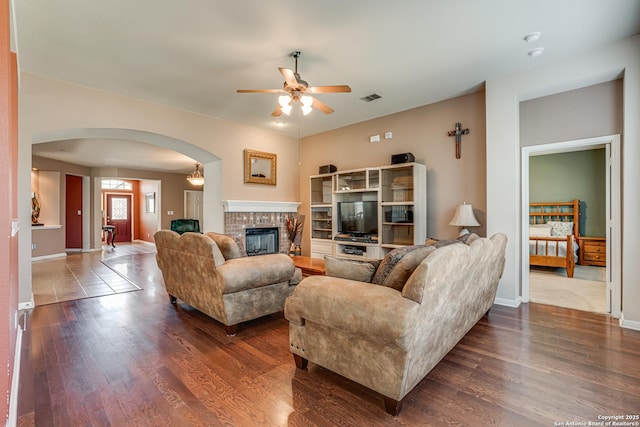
(397, 265)
(244, 273)
(362, 271)
(231, 247)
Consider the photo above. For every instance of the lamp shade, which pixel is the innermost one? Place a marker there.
(464, 216)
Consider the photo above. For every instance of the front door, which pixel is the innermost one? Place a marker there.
(119, 215)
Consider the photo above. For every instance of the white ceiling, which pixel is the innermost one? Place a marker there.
(194, 54)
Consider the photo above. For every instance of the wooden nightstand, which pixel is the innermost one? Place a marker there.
(593, 251)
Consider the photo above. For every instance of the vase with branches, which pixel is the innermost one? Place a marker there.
(295, 226)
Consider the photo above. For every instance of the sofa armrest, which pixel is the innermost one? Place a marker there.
(253, 272)
(378, 312)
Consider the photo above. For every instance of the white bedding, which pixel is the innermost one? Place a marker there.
(551, 251)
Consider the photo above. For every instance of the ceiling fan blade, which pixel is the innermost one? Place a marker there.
(260, 91)
(321, 106)
(289, 77)
(329, 89)
(277, 112)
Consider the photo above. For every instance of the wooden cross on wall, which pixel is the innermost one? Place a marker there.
(458, 132)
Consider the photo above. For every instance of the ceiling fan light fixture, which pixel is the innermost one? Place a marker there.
(306, 101)
(196, 178)
(286, 109)
(284, 100)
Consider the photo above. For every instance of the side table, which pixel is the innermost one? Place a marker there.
(309, 266)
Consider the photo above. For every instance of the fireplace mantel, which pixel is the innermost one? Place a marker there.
(259, 206)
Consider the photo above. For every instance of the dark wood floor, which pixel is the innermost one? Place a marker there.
(135, 359)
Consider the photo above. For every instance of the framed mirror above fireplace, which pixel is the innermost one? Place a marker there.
(259, 167)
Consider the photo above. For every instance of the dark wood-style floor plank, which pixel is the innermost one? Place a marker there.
(135, 359)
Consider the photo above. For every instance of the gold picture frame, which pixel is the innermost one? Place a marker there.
(260, 167)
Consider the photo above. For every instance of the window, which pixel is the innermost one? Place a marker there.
(116, 184)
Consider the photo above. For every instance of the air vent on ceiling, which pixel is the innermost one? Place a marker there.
(371, 97)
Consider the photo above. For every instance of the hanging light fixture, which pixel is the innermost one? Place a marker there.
(196, 178)
(286, 103)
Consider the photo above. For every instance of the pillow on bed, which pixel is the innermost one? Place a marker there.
(540, 231)
(560, 229)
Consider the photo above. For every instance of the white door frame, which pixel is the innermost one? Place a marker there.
(613, 209)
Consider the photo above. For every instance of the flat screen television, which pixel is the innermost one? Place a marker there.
(358, 218)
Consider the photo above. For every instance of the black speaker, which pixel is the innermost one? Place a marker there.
(402, 158)
(326, 169)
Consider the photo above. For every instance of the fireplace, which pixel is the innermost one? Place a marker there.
(261, 241)
(243, 215)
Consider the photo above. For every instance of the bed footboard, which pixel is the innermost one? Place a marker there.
(549, 255)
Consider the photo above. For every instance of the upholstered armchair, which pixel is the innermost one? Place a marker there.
(386, 326)
(220, 281)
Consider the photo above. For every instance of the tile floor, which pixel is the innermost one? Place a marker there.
(82, 275)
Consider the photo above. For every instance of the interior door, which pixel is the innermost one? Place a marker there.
(73, 212)
(119, 215)
(193, 205)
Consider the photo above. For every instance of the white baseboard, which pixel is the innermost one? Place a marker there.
(629, 324)
(145, 242)
(26, 305)
(508, 302)
(92, 250)
(12, 419)
(52, 256)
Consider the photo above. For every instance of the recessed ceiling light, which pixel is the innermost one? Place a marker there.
(535, 52)
(532, 37)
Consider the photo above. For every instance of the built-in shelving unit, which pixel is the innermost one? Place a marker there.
(400, 194)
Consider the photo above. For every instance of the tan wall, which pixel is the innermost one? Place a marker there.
(423, 132)
(576, 114)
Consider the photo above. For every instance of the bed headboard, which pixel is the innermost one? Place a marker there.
(540, 213)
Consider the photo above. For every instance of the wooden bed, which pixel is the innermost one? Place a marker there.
(547, 249)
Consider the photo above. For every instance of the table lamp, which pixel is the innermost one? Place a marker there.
(463, 218)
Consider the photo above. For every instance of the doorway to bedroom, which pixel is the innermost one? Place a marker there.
(567, 196)
(587, 170)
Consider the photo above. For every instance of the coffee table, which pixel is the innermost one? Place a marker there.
(309, 266)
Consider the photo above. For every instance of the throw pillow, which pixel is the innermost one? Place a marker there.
(472, 238)
(362, 271)
(405, 267)
(540, 231)
(389, 262)
(560, 229)
(230, 247)
(467, 238)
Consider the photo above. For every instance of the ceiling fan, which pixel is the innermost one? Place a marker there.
(297, 90)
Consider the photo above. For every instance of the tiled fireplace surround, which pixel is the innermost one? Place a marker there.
(241, 214)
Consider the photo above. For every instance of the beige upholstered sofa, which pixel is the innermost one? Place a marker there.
(211, 273)
(388, 336)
